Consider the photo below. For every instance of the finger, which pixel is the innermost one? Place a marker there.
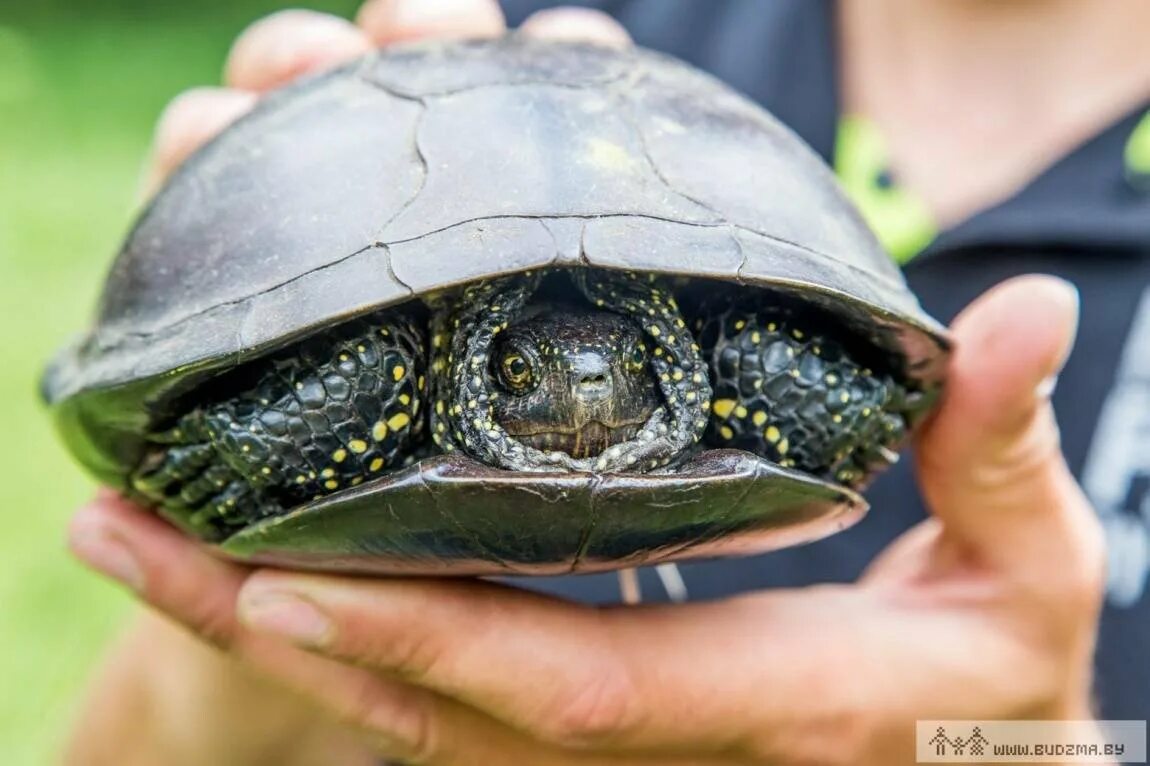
(180, 579)
(400, 721)
(165, 568)
(190, 120)
(990, 463)
(569, 675)
(389, 21)
(285, 45)
(576, 25)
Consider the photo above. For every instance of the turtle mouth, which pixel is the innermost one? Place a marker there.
(585, 441)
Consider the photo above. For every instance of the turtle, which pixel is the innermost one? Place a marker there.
(500, 307)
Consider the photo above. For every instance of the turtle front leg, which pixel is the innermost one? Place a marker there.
(797, 397)
(330, 413)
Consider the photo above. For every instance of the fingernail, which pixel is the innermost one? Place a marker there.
(103, 552)
(1046, 388)
(287, 616)
(1072, 299)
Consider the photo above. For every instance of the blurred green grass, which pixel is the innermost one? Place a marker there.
(80, 86)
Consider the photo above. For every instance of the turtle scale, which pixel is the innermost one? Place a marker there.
(424, 167)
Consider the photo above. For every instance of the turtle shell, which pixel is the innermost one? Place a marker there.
(426, 166)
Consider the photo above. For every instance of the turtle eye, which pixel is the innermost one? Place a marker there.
(637, 358)
(515, 373)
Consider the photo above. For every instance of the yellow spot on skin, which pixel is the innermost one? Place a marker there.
(783, 446)
(677, 375)
(358, 446)
(723, 407)
(759, 418)
(379, 431)
(421, 382)
(339, 455)
(844, 397)
(696, 378)
(772, 434)
(756, 337)
(357, 481)
(837, 418)
(361, 348)
(246, 448)
(726, 433)
(327, 473)
(300, 479)
(740, 411)
(832, 379)
(690, 396)
(798, 334)
(331, 484)
(706, 406)
(266, 471)
(772, 327)
(343, 357)
(398, 421)
(404, 399)
(398, 371)
(653, 330)
(376, 464)
(739, 325)
(866, 412)
(298, 386)
(439, 407)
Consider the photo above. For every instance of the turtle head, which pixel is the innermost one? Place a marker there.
(573, 379)
(564, 382)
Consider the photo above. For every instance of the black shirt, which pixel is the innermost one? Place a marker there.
(1086, 219)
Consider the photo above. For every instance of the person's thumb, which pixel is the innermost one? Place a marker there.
(989, 462)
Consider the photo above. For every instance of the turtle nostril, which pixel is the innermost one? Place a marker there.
(592, 387)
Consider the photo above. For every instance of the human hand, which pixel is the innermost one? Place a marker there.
(986, 611)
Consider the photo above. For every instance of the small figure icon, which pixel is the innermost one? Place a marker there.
(940, 741)
(977, 741)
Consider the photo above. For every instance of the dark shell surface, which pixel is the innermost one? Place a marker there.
(424, 167)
